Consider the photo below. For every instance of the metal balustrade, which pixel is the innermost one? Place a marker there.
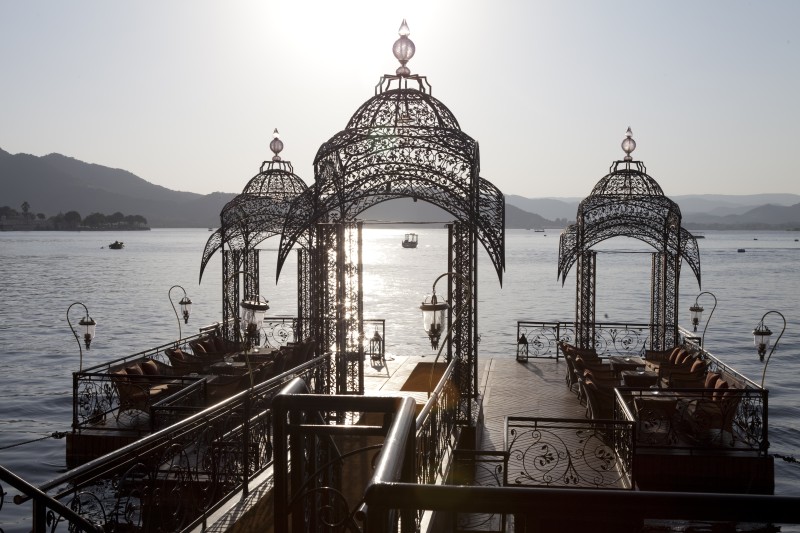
(172, 479)
(540, 339)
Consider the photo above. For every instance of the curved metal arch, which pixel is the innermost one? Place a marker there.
(628, 202)
(401, 143)
(390, 175)
(259, 212)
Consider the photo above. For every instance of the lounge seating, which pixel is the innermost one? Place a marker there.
(599, 400)
(653, 359)
(140, 384)
(213, 347)
(709, 419)
(683, 366)
(186, 363)
(298, 353)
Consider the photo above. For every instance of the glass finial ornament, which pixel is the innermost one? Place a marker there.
(628, 144)
(276, 145)
(403, 49)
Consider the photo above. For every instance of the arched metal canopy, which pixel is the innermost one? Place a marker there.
(627, 202)
(401, 143)
(259, 212)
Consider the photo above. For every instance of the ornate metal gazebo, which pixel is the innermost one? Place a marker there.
(253, 216)
(628, 202)
(401, 143)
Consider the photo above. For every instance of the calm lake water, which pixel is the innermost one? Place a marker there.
(126, 292)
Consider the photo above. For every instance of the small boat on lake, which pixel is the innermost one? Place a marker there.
(116, 245)
(410, 240)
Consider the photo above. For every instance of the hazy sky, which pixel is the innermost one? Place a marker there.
(185, 94)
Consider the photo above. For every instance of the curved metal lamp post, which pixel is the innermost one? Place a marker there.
(185, 304)
(761, 337)
(697, 314)
(433, 317)
(87, 325)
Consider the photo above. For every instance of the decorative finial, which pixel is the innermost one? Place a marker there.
(403, 49)
(628, 144)
(276, 145)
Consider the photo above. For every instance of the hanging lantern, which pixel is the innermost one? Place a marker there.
(186, 308)
(88, 326)
(697, 314)
(761, 337)
(433, 318)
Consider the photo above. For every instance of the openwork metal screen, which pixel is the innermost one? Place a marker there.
(628, 202)
(401, 143)
(250, 218)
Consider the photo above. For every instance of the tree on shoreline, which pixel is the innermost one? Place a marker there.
(71, 220)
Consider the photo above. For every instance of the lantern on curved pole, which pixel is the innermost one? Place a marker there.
(185, 304)
(696, 311)
(254, 308)
(87, 325)
(433, 317)
(761, 335)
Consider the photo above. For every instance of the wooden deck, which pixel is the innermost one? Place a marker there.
(527, 389)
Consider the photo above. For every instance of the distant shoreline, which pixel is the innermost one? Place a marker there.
(20, 227)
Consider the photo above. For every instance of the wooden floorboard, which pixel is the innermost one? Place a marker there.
(529, 389)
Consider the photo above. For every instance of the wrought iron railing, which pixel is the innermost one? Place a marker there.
(540, 339)
(698, 419)
(96, 398)
(556, 452)
(47, 513)
(437, 428)
(479, 468)
(280, 330)
(172, 479)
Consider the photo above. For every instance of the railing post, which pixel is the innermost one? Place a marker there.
(39, 517)
(765, 421)
(74, 400)
(246, 445)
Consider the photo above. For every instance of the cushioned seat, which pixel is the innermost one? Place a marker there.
(599, 400)
(134, 391)
(185, 363)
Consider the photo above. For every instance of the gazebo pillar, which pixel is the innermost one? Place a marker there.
(585, 299)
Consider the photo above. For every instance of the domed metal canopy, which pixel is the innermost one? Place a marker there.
(627, 202)
(259, 212)
(401, 143)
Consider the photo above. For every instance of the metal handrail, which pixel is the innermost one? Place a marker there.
(42, 502)
(548, 503)
(78, 479)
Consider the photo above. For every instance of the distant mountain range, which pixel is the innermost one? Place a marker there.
(56, 183)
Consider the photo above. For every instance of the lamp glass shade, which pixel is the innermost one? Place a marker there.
(254, 311)
(761, 336)
(697, 313)
(186, 306)
(433, 317)
(88, 326)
